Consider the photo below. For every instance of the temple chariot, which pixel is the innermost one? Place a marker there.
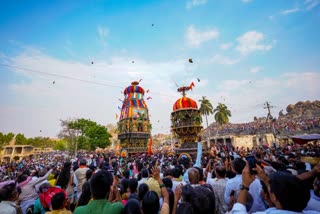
(134, 127)
(186, 122)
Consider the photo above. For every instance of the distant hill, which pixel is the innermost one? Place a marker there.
(301, 110)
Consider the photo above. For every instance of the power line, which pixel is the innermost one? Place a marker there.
(71, 78)
(61, 76)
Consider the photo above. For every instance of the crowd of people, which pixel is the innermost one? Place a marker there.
(281, 126)
(232, 180)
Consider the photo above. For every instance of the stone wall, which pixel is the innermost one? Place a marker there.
(253, 140)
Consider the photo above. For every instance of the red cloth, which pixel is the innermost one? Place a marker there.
(45, 197)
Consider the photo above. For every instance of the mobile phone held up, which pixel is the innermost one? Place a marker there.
(252, 164)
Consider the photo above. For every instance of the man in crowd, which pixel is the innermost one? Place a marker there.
(100, 186)
(287, 192)
(219, 185)
(80, 175)
(233, 185)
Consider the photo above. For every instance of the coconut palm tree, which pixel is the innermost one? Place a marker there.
(206, 109)
(222, 114)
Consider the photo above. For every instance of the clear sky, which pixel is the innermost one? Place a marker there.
(245, 52)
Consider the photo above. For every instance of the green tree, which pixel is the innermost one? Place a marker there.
(84, 134)
(21, 139)
(1, 139)
(222, 114)
(206, 109)
(60, 145)
(8, 137)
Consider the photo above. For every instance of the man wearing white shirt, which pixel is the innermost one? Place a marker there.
(176, 180)
(234, 184)
(219, 184)
(145, 176)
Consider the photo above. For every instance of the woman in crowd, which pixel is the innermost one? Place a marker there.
(65, 180)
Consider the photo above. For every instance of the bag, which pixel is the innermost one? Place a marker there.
(45, 197)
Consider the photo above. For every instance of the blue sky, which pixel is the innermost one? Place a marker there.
(245, 52)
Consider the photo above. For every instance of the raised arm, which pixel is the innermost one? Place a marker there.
(164, 192)
(247, 179)
(314, 172)
(38, 180)
(177, 196)
(199, 154)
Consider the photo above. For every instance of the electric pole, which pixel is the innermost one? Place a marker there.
(268, 106)
(269, 116)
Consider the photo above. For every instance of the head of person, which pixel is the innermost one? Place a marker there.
(150, 203)
(9, 192)
(132, 207)
(220, 171)
(42, 172)
(44, 187)
(194, 176)
(145, 173)
(287, 192)
(89, 173)
(143, 189)
(100, 184)
(185, 161)
(176, 172)
(278, 166)
(125, 184)
(166, 172)
(126, 173)
(203, 200)
(200, 171)
(75, 166)
(167, 182)
(238, 165)
(187, 193)
(133, 184)
(58, 201)
(22, 177)
(230, 174)
(83, 162)
(64, 175)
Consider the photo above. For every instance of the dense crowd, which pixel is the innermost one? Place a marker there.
(280, 126)
(232, 180)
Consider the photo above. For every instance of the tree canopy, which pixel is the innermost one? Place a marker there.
(206, 108)
(86, 133)
(222, 114)
(5, 138)
(42, 142)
